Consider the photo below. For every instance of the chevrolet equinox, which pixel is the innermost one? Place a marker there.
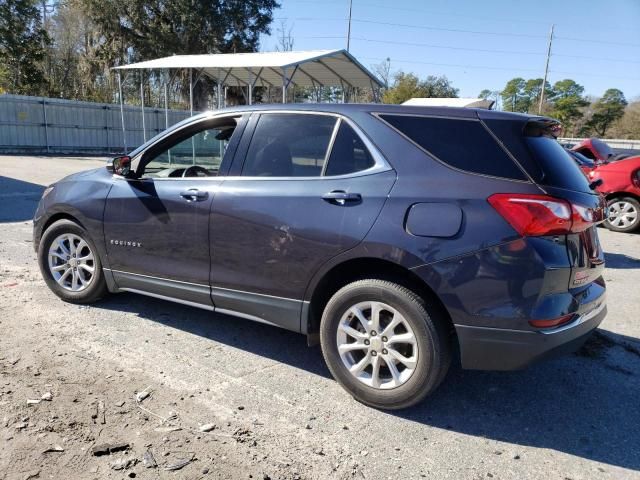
(397, 237)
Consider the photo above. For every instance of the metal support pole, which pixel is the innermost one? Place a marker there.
(144, 125)
(250, 86)
(106, 125)
(191, 91)
(166, 101)
(44, 117)
(284, 85)
(124, 130)
(546, 71)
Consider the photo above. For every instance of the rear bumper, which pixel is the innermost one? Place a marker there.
(483, 348)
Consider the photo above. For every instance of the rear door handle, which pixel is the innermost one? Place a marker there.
(194, 195)
(340, 197)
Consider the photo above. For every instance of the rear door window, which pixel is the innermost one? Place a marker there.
(462, 144)
(289, 145)
(348, 153)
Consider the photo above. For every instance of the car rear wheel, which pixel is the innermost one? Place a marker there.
(623, 214)
(70, 264)
(383, 344)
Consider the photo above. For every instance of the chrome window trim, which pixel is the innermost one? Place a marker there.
(528, 181)
(198, 119)
(380, 162)
(332, 140)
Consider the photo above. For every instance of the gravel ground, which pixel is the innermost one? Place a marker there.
(272, 406)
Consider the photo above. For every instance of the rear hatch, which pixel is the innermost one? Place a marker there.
(532, 142)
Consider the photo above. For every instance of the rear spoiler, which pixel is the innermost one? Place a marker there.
(542, 127)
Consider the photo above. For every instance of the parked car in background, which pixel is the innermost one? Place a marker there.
(620, 184)
(390, 234)
(599, 151)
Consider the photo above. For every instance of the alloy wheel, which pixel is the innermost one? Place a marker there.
(377, 345)
(71, 262)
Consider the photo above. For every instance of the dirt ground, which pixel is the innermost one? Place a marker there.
(125, 388)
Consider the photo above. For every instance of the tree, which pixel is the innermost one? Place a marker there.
(407, 85)
(629, 125)
(494, 95)
(143, 29)
(22, 47)
(606, 111)
(285, 37)
(383, 71)
(567, 102)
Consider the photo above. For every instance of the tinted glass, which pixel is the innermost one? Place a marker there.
(289, 145)
(463, 144)
(560, 170)
(602, 148)
(201, 153)
(581, 159)
(348, 153)
(587, 153)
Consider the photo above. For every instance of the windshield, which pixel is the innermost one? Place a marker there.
(581, 159)
(602, 148)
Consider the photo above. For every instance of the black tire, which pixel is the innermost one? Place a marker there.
(430, 330)
(629, 228)
(97, 287)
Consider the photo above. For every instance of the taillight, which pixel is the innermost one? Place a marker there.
(539, 215)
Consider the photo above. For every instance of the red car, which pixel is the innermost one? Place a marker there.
(598, 151)
(620, 185)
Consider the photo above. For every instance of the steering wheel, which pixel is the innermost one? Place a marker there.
(195, 171)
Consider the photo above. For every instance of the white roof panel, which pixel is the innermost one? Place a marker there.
(450, 102)
(306, 68)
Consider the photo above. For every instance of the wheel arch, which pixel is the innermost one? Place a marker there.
(620, 194)
(360, 268)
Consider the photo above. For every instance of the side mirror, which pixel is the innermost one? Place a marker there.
(121, 166)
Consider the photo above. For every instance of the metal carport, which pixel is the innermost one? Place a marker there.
(311, 68)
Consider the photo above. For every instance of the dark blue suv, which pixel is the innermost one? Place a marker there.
(395, 236)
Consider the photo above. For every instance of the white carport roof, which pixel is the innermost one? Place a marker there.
(304, 68)
(450, 102)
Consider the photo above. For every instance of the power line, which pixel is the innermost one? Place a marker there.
(431, 45)
(606, 42)
(404, 25)
(442, 29)
(447, 47)
(586, 57)
(485, 67)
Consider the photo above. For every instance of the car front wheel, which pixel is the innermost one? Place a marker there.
(383, 344)
(70, 264)
(623, 214)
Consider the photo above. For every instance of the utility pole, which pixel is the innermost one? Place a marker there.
(349, 26)
(546, 70)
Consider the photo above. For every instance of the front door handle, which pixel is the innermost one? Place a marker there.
(194, 195)
(340, 197)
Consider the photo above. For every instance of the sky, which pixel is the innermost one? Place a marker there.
(479, 44)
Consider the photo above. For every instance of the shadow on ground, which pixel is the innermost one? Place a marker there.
(585, 404)
(621, 261)
(18, 199)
